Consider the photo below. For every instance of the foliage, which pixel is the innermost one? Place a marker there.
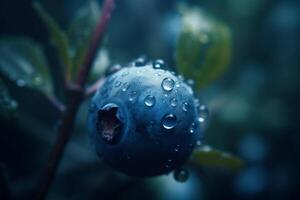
(205, 156)
(71, 45)
(204, 47)
(8, 105)
(22, 61)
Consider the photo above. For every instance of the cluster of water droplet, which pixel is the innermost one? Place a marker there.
(169, 88)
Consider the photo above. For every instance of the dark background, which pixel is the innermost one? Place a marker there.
(254, 107)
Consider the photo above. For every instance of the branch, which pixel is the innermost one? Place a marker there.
(93, 88)
(95, 41)
(75, 96)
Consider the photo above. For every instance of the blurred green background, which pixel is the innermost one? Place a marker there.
(253, 106)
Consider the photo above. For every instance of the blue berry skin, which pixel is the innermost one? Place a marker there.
(144, 121)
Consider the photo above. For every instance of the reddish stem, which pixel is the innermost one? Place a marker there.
(96, 39)
(75, 96)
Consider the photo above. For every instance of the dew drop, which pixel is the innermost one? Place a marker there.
(125, 87)
(196, 101)
(114, 69)
(132, 96)
(185, 106)
(169, 163)
(181, 175)
(141, 61)
(169, 121)
(168, 84)
(149, 101)
(203, 114)
(173, 102)
(181, 77)
(192, 128)
(176, 149)
(157, 64)
(21, 83)
(125, 73)
(118, 83)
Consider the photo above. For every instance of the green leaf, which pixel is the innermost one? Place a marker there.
(206, 156)
(8, 106)
(58, 37)
(80, 32)
(23, 62)
(203, 49)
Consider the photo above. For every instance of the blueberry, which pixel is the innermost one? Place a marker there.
(144, 121)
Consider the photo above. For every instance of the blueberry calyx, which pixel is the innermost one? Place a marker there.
(109, 124)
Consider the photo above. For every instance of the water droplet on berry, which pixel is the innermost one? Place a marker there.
(169, 121)
(125, 87)
(132, 96)
(125, 73)
(139, 62)
(185, 106)
(149, 101)
(193, 128)
(203, 114)
(118, 83)
(196, 101)
(168, 84)
(169, 163)
(181, 175)
(173, 102)
(158, 64)
(176, 149)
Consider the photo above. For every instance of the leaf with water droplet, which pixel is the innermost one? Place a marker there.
(23, 62)
(205, 156)
(204, 47)
(8, 105)
(58, 38)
